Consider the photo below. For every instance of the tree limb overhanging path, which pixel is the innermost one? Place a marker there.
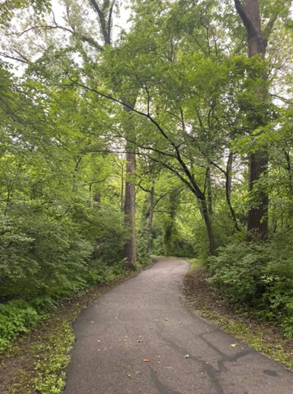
(144, 318)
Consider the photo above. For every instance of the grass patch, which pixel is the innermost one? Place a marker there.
(194, 264)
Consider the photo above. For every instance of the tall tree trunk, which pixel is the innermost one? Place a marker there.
(104, 10)
(249, 12)
(129, 209)
(150, 218)
(129, 201)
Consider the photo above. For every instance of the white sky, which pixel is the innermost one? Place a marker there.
(120, 22)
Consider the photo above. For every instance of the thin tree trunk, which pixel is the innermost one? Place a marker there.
(229, 188)
(104, 11)
(229, 174)
(97, 198)
(209, 190)
(205, 214)
(129, 202)
(122, 189)
(150, 219)
(129, 209)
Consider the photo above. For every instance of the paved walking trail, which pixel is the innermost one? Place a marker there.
(145, 318)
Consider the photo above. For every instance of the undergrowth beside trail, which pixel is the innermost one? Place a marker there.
(36, 361)
(208, 303)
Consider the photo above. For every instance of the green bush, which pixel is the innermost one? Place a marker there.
(41, 255)
(259, 275)
(15, 318)
(238, 270)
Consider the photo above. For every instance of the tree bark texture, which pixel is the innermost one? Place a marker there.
(257, 226)
(209, 191)
(105, 13)
(150, 219)
(129, 210)
(258, 216)
(206, 217)
(129, 201)
(229, 189)
(122, 189)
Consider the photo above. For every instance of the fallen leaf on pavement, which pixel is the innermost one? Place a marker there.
(187, 356)
(233, 345)
(146, 360)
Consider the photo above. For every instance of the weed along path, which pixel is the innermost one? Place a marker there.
(140, 338)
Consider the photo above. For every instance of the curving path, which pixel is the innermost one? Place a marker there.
(145, 318)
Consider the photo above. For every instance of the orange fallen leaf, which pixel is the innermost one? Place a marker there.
(146, 360)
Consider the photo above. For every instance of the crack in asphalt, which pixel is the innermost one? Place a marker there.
(160, 386)
(213, 373)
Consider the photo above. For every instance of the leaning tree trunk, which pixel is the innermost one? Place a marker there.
(207, 220)
(258, 162)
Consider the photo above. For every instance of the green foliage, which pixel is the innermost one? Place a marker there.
(16, 317)
(237, 271)
(258, 275)
(198, 98)
(39, 256)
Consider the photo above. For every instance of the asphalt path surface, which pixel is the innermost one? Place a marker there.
(144, 318)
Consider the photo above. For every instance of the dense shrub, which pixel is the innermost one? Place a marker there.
(259, 275)
(15, 317)
(56, 256)
(39, 256)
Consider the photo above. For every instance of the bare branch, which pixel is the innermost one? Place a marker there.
(13, 58)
